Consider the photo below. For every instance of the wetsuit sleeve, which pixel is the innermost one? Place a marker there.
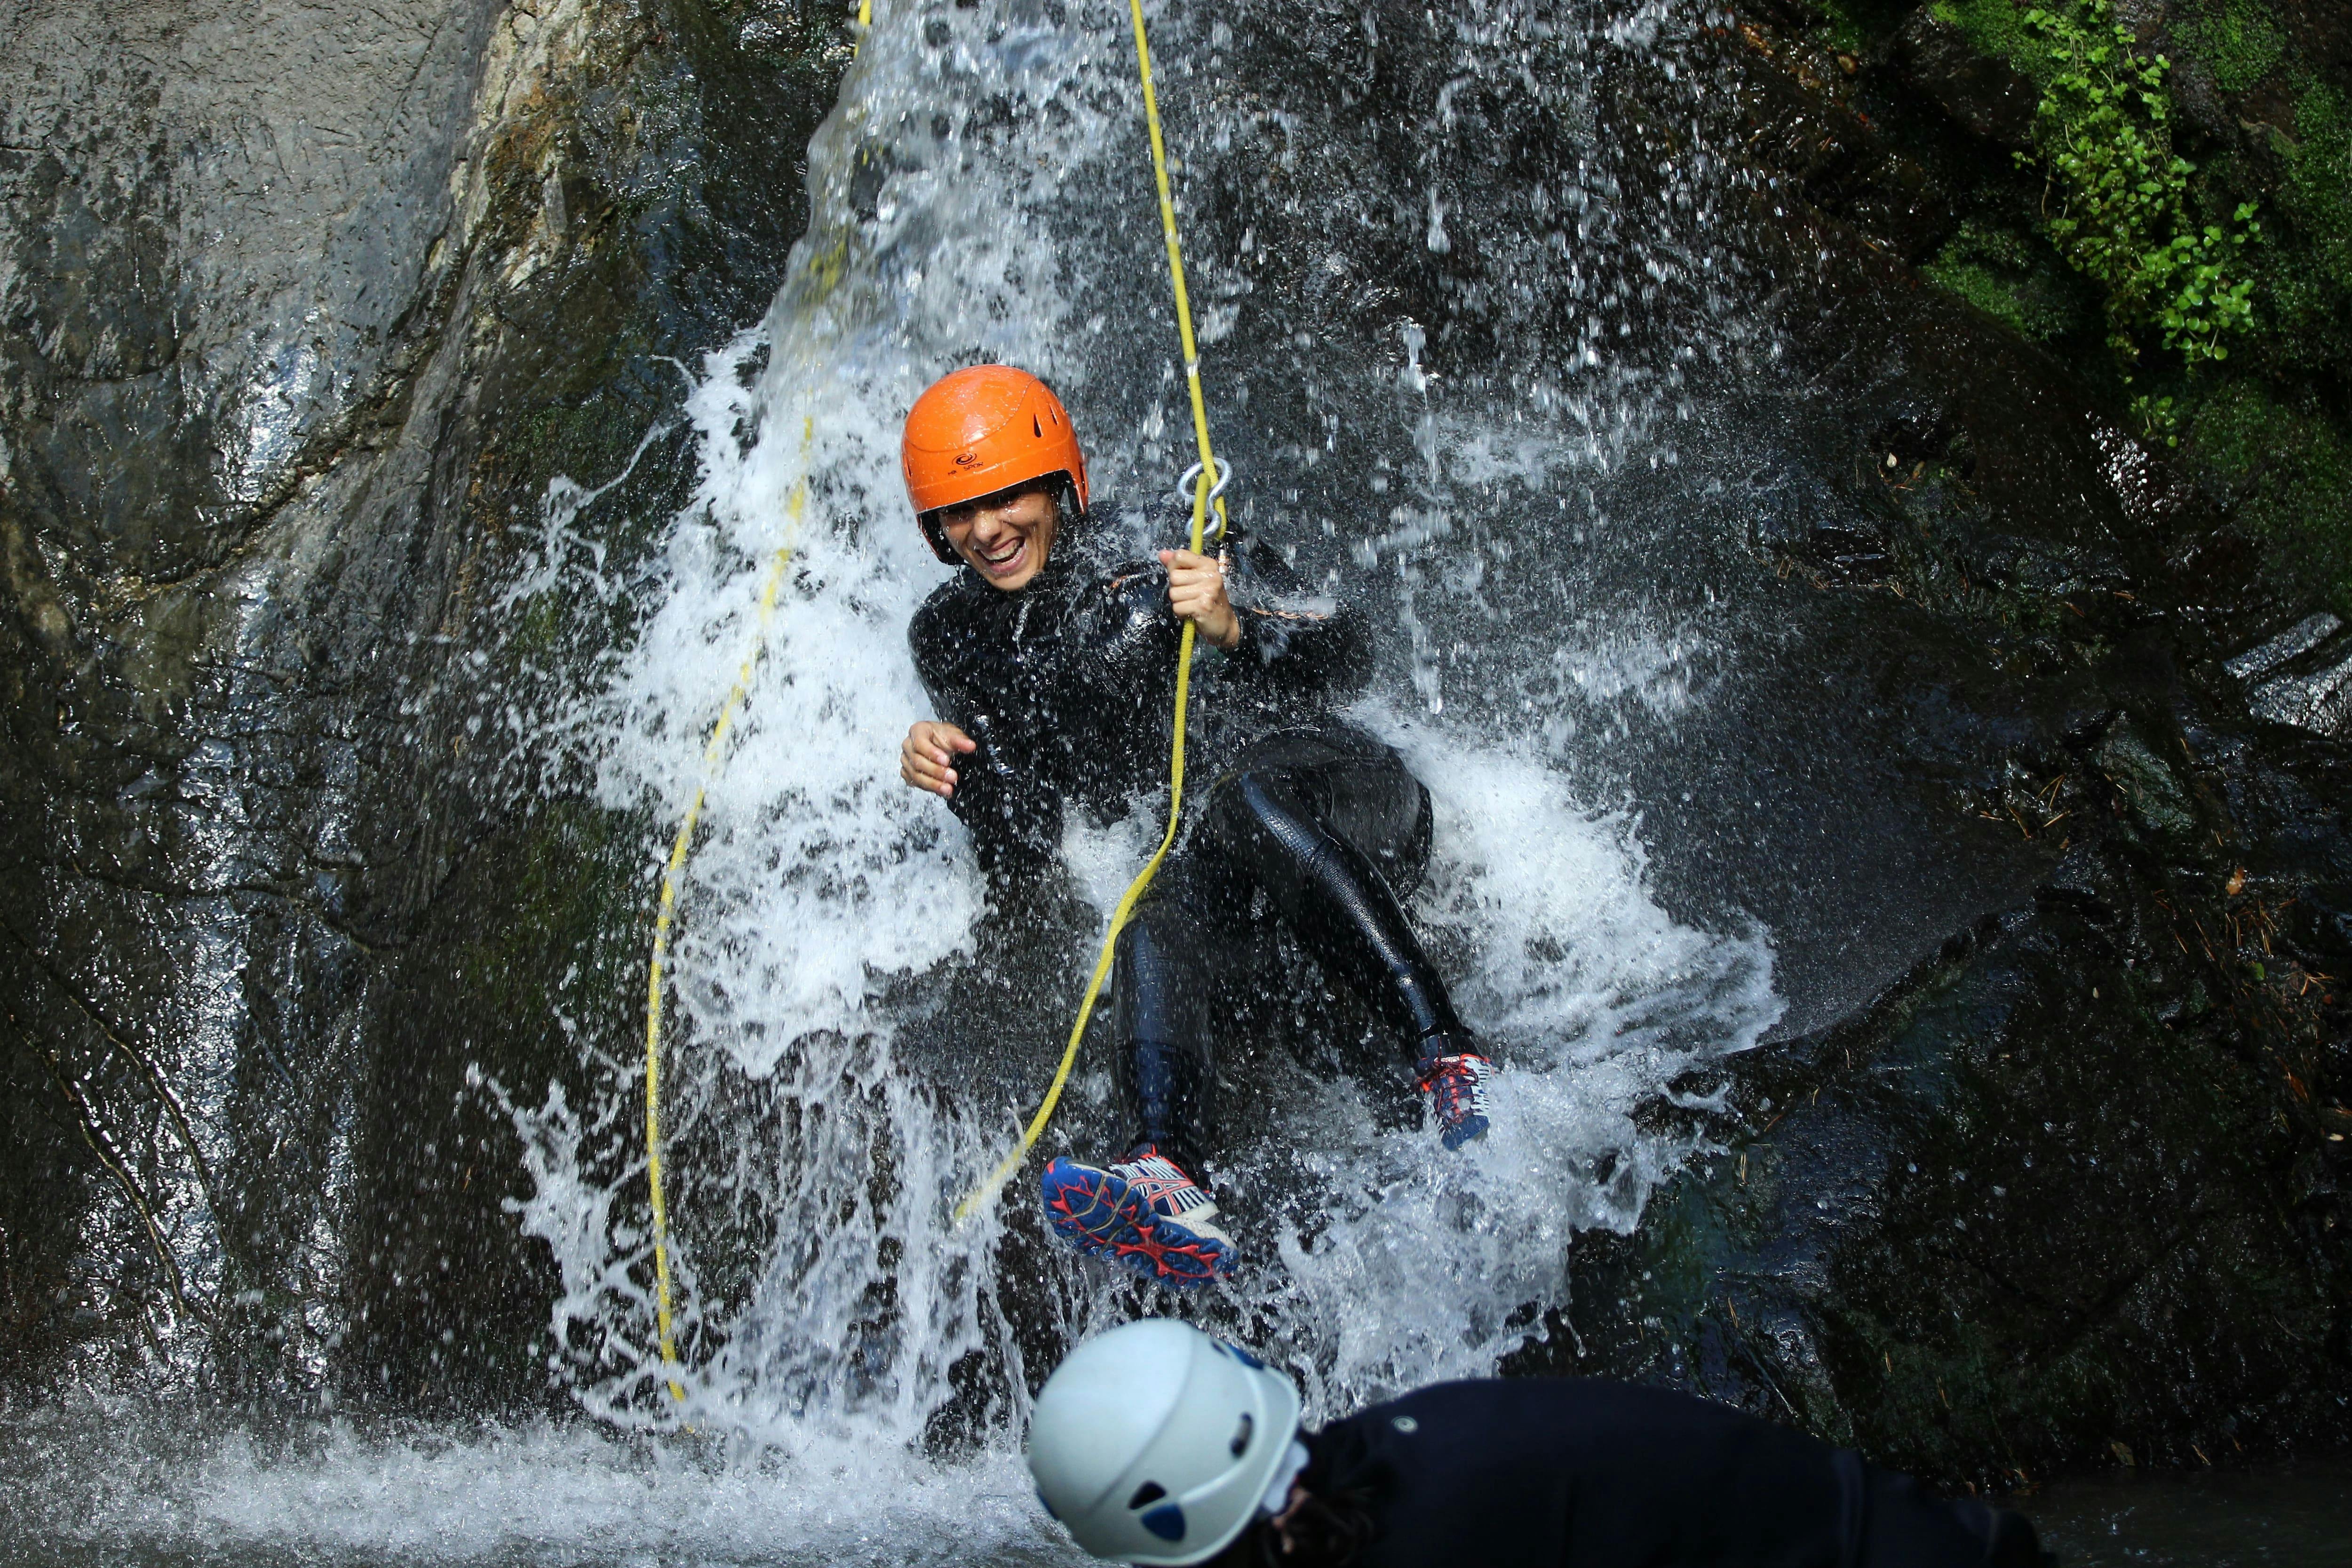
(1130, 638)
(1014, 817)
(1299, 643)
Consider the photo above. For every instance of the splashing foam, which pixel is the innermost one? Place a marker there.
(830, 1315)
(518, 1498)
(1407, 1264)
(823, 891)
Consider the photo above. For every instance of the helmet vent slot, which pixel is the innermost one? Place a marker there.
(1242, 1434)
(1146, 1494)
(1166, 1522)
(1035, 428)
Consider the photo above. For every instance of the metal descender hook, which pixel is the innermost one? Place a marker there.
(1225, 478)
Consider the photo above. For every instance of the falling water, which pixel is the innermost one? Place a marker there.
(980, 194)
(1455, 353)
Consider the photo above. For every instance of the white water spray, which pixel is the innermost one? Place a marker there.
(857, 1366)
(823, 888)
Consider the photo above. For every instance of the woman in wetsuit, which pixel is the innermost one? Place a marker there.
(1053, 670)
(1155, 1444)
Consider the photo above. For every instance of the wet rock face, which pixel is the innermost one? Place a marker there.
(2082, 1183)
(1988, 97)
(218, 220)
(232, 239)
(302, 315)
(2077, 1187)
(2301, 677)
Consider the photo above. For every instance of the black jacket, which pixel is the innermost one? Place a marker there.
(1068, 685)
(1586, 1473)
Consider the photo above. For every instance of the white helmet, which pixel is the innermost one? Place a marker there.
(1153, 1442)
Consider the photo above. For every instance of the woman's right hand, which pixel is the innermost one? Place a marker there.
(926, 758)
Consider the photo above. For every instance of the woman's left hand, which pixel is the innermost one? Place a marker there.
(1196, 592)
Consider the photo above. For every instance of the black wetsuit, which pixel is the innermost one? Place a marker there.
(1583, 1473)
(1067, 686)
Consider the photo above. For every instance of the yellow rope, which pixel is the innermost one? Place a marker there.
(666, 915)
(1202, 496)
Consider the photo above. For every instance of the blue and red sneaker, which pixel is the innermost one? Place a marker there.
(1456, 1082)
(1143, 1214)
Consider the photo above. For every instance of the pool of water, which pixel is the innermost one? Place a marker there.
(2292, 1516)
(105, 1482)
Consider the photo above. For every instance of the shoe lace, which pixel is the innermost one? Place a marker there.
(1161, 1182)
(1457, 1083)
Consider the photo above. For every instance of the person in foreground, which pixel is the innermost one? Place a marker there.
(1053, 672)
(1155, 1444)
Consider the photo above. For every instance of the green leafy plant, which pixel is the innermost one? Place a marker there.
(2102, 134)
(2157, 418)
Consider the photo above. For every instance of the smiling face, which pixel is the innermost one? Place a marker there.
(1004, 537)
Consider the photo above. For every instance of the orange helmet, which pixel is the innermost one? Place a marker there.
(980, 430)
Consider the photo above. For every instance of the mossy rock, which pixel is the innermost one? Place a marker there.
(2284, 464)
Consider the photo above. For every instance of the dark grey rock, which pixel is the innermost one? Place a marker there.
(2078, 1178)
(217, 220)
(1989, 96)
(2291, 644)
(298, 314)
(2302, 676)
(2320, 701)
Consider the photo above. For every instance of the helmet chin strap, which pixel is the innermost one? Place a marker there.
(937, 538)
(1276, 1495)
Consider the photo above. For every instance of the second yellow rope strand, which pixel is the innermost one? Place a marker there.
(666, 915)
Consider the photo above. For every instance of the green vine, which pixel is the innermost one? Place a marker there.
(2104, 134)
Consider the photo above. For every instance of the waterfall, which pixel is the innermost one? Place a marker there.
(1459, 352)
(981, 192)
